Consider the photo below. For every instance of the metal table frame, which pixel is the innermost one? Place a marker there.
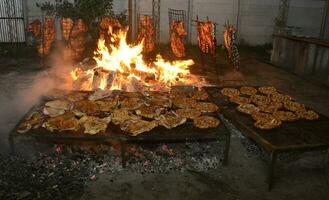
(273, 150)
(113, 133)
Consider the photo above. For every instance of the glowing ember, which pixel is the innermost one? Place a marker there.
(121, 66)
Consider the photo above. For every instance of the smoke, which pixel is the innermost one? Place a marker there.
(23, 87)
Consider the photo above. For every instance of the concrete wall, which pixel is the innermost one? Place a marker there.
(307, 15)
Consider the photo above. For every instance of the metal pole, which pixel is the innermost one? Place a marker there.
(238, 21)
(324, 20)
(189, 20)
(130, 18)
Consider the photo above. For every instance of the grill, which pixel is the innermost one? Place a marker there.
(297, 136)
(183, 133)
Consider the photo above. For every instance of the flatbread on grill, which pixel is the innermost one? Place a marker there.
(206, 107)
(52, 112)
(240, 100)
(230, 92)
(159, 100)
(179, 93)
(200, 95)
(189, 113)
(76, 96)
(267, 90)
(86, 107)
(24, 127)
(204, 122)
(247, 108)
(60, 104)
(93, 125)
(277, 97)
(150, 112)
(131, 103)
(286, 116)
(260, 116)
(171, 120)
(271, 107)
(260, 99)
(184, 102)
(121, 115)
(293, 106)
(136, 127)
(99, 94)
(307, 114)
(66, 122)
(268, 123)
(35, 119)
(107, 105)
(248, 90)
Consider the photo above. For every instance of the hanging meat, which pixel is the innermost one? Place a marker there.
(230, 45)
(206, 37)
(146, 34)
(66, 25)
(109, 25)
(78, 46)
(108, 21)
(35, 28)
(48, 37)
(79, 27)
(176, 39)
(77, 41)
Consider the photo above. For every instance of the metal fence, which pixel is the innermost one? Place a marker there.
(12, 29)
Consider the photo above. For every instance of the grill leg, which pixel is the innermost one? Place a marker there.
(11, 145)
(123, 153)
(272, 160)
(227, 148)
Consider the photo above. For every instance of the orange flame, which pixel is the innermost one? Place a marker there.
(124, 66)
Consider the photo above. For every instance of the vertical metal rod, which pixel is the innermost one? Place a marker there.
(273, 157)
(26, 18)
(324, 20)
(227, 146)
(130, 19)
(11, 145)
(123, 153)
(238, 21)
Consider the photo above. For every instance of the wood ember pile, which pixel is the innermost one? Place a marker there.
(176, 38)
(48, 37)
(146, 33)
(206, 37)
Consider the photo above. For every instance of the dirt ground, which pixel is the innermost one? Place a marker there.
(299, 177)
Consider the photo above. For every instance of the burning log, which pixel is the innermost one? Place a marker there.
(67, 25)
(146, 34)
(176, 38)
